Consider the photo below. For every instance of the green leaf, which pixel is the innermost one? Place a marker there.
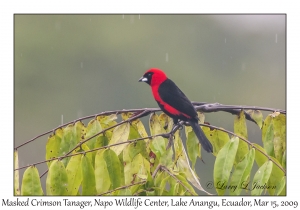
(57, 179)
(257, 116)
(163, 185)
(165, 122)
(102, 178)
(53, 145)
(16, 173)
(167, 158)
(276, 174)
(242, 172)
(158, 146)
(279, 122)
(218, 138)
(192, 145)
(74, 173)
(155, 126)
(284, 160)
(106, 122)
(136, 170)
(114, 168)
(268, 137)
(185, 168)
(186, 184)
(261, 178)
(132, 149)
(88, 177)
(240, 128)
(68, 142)
(120, 134)
(31, 184)
(93, 128)
(281, 187)
(224, 162)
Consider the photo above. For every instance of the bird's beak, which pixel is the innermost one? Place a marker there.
(143, 79)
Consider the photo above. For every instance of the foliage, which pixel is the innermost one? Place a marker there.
(107, 157)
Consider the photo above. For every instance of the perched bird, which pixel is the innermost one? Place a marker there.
(174, 103)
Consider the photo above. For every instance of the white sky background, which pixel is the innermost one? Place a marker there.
(6, 73)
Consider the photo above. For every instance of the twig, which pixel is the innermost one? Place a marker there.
(156, 170)
(124, 187)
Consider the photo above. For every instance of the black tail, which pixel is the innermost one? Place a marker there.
(201, 136)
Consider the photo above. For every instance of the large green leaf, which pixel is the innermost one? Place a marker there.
(242, 173)
(192, 145)
(73, 170)
(114, 168)
(240, 128)
(276, 175)
(279, 123)
(185, 168)
(136, 170)
(88, 177)
(223, 164)
(53, 145)
(68, 142)
(31, 184)
(257, 116)
(120, 134)
(92, 129)
(261, 178)
(102, 178)
(57, 179)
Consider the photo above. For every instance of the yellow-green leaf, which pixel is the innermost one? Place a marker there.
(74, 173)
(276, 174)
(279, 123)
(218, 138)
(240, 128)
(268, 137)
(57, 179)
(185, 168)
(242, 172)
(257, 116)
(282, 185)
(53, 145)
(88, 177)
(136, 170)
(101, 173)
(114, 168)
(192, 145)
(16, 173)
(120, 134)
(261, 178)
(223, 164)
(31, 184)
(68, 142)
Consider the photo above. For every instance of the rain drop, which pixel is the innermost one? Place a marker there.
(275, 38)
(167, 57)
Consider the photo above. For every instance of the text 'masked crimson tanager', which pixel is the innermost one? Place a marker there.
(174, 103)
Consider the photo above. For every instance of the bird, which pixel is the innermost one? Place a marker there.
(174, 102)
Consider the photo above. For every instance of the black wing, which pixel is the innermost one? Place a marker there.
(172, 95)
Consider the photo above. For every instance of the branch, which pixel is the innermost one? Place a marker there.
(200, 106)
(124, 187)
